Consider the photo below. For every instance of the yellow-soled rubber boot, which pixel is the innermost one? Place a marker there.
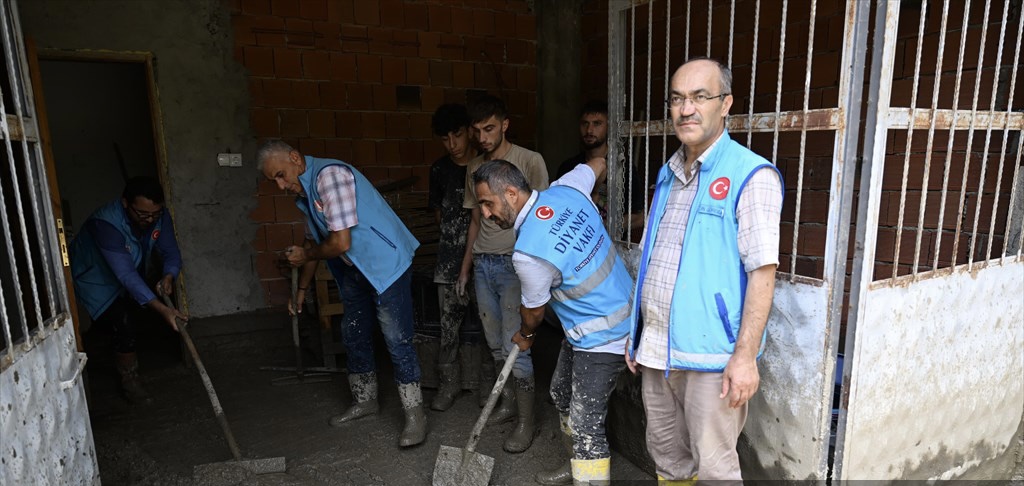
(593, 472)
(677, 482)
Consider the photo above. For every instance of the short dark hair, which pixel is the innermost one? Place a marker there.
(499, 174)
(486, 107)
(594, 107)
(449, 117)
(147, 187)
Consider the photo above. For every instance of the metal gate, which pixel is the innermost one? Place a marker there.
(44, 421)
(799, 68)
(936, 383)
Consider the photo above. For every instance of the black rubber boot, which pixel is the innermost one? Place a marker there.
(131, 385)
(449, 387)
(522, 435)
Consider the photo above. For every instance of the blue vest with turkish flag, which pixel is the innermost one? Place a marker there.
(593, 301)
(96, 286)
(382, 247)
(707, 301)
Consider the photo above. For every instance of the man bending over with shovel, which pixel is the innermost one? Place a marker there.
(368, 251)
(565, 258)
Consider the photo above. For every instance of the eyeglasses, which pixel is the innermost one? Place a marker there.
(676, 101)
(147, 215)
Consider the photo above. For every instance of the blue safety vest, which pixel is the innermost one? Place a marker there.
(96, 286)
(382, 247)
(707, 301)
(593, 301)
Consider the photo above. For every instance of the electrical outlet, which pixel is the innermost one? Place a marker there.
(229, 160)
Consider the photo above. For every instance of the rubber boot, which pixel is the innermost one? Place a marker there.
(677, 482)
(131, 386)
(505, 411)
(364, 398)
(469, 366)
(415, 430)
(449, 387)
(522, 435)
(593, 472)
(562, 475)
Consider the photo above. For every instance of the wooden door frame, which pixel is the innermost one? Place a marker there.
(156, 121)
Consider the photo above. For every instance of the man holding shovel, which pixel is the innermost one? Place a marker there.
(564, 257)
(369, 251)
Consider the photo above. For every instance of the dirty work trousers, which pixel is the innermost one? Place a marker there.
(580, 386)
(365, 308)
(118, 317)
(453, 313)
(498, 296)
(690, 431)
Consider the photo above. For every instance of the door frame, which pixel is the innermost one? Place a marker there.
(148, 60)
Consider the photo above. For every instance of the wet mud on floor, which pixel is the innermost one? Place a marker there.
(159, 444)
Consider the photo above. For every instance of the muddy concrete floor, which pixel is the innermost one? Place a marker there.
(159, 444)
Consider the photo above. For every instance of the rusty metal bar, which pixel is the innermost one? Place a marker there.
(647, 111)
(778, 84)
(632, 96)
(616, 108)
(970, 139)
(988, 142)
(732, 26)
(753, 71)
(803, 138)
(952, 119)
(910, 138)
(14, 83)
(949, 143)
(686, 51)
(711, 9)
(1002, 153)
(974, 109)
(665, 115)
(788, 121)
(931, 137)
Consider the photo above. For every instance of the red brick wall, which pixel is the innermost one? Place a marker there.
(358, 80)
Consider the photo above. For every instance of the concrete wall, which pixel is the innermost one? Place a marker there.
(558, 97)
(204, 102)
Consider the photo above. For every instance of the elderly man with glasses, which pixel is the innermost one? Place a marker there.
(109, 259)
(705, 284)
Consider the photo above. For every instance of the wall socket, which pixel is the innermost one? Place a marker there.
(229, 160)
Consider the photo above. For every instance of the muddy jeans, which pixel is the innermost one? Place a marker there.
(364, 308)
(498, 297)
(690, 430)
(453, 313)
(580, 386)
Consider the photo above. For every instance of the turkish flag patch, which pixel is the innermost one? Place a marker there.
(719, 188)
(544, 213)
(156, 234)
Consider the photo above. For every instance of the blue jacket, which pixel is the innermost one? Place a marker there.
(382, 247)
(96, 283)
(707, 302)
(593, 301)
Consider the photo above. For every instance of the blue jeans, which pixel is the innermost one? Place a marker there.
(498, 296)
(364, 307)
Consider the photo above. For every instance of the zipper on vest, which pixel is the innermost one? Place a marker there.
(723, 313)
(385, 238)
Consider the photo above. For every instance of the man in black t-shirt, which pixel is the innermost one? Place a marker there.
(594, 138)
(450, 124)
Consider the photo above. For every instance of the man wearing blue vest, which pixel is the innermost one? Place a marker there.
(108, 267)
(369, 251)
(564, 258)
(705, 284)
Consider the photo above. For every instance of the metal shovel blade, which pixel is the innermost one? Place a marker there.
(459, 467)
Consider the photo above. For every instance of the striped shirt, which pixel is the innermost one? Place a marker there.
(757, 214)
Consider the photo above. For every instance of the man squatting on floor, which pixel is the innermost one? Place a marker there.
(565, 257)
(369, 252)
